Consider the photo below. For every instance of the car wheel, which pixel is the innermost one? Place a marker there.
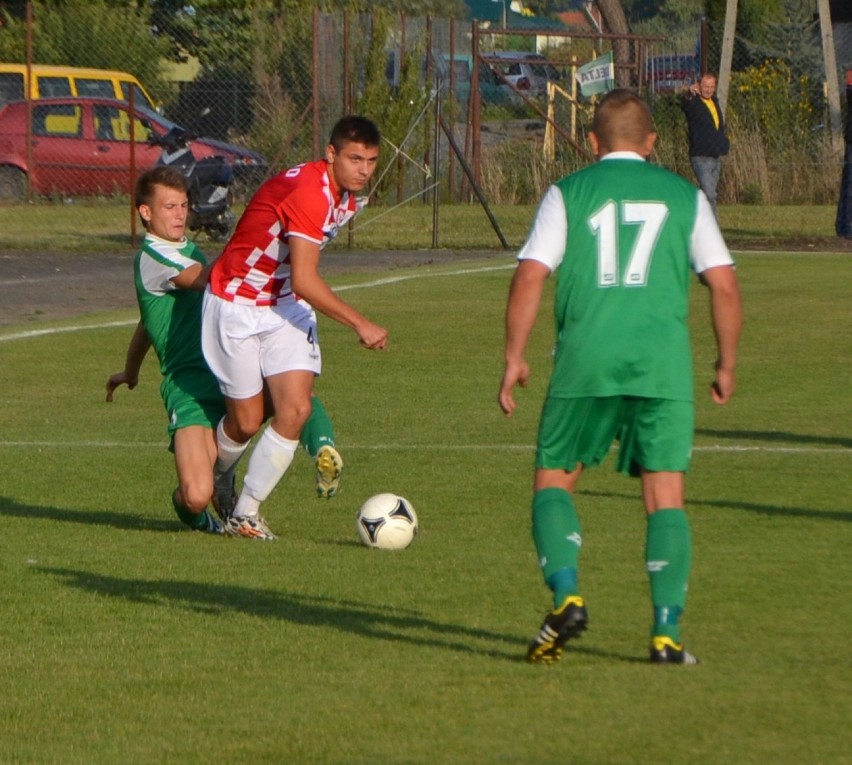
(13, 184)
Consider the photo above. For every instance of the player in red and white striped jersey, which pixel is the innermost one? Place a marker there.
(299, 203)
(259, 321)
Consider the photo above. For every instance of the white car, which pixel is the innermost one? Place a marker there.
(528, 72)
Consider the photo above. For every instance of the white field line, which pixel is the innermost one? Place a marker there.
(60, 330)
(723, 448)
(376, 283)
(435, 447)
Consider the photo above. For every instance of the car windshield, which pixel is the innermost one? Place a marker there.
(152, 116)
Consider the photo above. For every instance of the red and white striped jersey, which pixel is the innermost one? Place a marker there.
(254, 267)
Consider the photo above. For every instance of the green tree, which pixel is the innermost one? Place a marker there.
(641, 10)
(678, 20)
(219, 33)
(793, 36)
(97, 34)
(753, 20)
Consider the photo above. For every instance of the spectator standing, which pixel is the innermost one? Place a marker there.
(705, 126)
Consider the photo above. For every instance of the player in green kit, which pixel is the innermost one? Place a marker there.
(170, 275)
(622, 237)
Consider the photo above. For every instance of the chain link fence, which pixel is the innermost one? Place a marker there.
(470, 112)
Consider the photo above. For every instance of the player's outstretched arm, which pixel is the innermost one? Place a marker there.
(136, 350)
(310, 286)
(193, 278)
(521, 312)
(726, 314)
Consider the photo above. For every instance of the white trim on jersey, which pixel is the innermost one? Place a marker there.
(157, 276)
(707, 248)
(548, 238)
(299, 235)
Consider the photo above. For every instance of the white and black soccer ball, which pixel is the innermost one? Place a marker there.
(387, 522)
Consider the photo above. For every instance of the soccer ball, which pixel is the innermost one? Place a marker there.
(387, 522)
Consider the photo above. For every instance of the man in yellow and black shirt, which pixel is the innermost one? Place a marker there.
(706, 130)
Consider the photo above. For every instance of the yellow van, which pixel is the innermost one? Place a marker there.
(51, 81)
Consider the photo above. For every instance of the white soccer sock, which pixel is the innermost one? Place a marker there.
(268, 462)
(229, 453)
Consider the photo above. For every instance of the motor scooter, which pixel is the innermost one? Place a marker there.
(209, 183)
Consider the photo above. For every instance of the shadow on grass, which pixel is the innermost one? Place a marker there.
(128, 521)
(400, 625)
(752, 507)
(774, 436)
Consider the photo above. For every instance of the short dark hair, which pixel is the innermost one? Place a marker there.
(161, 175)
(622, 115)
(354, 129)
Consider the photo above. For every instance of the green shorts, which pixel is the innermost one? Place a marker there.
(192, 400)
(654, 434)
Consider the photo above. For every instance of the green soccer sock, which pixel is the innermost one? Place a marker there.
(317, 431)
(668, 555)
(557, 538)
(193, 520)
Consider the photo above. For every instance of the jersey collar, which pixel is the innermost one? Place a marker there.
(179, 243)
(623, 155)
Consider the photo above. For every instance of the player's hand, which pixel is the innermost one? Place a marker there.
(119, 378)
(372, 336)
(722, 388)
(516, 373)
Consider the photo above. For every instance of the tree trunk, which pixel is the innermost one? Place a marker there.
(616, 23)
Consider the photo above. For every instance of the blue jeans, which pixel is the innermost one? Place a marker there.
(707, 170)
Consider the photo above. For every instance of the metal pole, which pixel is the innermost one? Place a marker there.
(131, 104)
(430, 69)
(479, 195)
(316, 84)
(347, 92)
(830, 69)
(451, 164)
(727, 53)
(476, 115)
(403, 53)
(843, 221)
(29, 85)
(436, 162)
(347, 107)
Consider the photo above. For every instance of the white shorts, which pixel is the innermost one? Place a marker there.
(244, 344)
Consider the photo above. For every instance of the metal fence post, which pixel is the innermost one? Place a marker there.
(315, 82)
(436, 176)
(843, 221)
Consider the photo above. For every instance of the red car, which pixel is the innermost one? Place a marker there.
(82, 147)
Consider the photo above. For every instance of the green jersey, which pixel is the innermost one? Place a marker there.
(171, 316)
(632, 233)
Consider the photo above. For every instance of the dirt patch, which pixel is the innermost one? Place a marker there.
(801, 244)
(39, 287)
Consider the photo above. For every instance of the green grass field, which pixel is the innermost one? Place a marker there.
(126, 639)
(103, 226)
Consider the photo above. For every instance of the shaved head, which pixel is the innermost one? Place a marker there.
(622, 122)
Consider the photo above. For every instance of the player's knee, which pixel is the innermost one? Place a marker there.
(292, 418)
(243, 426)
(302, 412)
(196, 496)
